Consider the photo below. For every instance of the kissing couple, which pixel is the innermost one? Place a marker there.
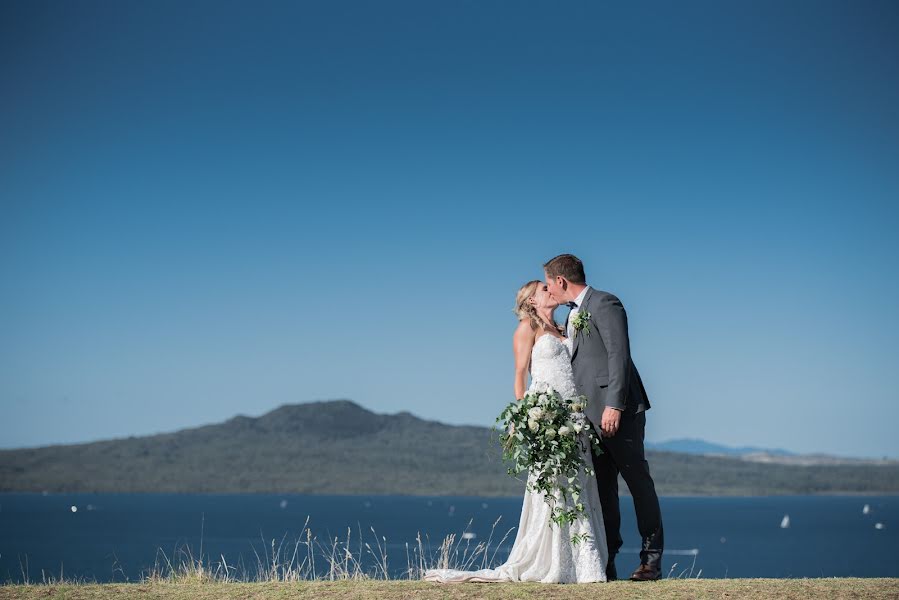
(588, 356)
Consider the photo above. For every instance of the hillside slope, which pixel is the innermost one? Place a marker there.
(339, 447)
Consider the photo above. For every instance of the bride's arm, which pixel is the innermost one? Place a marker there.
(522, 343)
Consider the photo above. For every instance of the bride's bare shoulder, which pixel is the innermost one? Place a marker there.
(524, 332)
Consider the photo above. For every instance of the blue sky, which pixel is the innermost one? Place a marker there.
(213, 208)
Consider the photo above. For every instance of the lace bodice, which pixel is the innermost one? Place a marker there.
(551, 364)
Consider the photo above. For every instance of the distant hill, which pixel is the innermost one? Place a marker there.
(695, 446)
(339, 447)
(762, 455)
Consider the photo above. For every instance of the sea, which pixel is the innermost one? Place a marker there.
(121, 537)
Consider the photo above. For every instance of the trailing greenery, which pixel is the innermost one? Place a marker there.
(338, 447)
(545, 438)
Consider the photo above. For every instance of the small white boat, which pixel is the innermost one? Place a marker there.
(785, 522)
(878, 525)
(866, 509)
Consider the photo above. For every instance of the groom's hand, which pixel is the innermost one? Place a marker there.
(611, 419)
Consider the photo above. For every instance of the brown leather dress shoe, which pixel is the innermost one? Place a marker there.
(647, 573)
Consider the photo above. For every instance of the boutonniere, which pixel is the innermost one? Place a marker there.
(581, 322)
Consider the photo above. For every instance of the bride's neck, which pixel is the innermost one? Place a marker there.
(547, 315)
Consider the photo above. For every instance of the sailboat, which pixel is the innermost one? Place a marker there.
(785, 522)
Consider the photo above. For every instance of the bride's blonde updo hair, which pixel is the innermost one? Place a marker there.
(524, 309)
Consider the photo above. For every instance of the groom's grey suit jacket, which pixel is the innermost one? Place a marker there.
(601, 359)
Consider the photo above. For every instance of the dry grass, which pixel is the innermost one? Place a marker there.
(305, 559)
(315, 568)
(309, 558)
(377, 589)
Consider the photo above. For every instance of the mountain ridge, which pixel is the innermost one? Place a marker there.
(340, 447)
(701, 446)
(291, 413)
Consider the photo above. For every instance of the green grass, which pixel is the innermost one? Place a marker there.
(371, 590)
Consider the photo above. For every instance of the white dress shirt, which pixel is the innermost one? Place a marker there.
(574, 311)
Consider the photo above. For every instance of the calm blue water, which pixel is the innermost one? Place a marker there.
(112, 537)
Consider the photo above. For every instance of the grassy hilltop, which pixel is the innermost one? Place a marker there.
(681, 589)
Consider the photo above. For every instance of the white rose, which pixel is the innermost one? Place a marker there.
(533, 425)
(550, 433)
(578, 428)
(535, 413)
(543, 399)
(564, 430)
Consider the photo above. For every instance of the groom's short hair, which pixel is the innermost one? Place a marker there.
(568, 266)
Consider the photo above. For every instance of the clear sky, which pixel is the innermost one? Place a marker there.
(213, 208)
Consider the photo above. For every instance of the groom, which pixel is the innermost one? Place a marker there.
(616, 405)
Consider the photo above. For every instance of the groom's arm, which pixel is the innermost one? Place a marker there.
(611, 320)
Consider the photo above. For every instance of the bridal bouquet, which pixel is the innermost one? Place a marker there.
(541, 435)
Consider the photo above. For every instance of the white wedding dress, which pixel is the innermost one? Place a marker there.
(542, 552)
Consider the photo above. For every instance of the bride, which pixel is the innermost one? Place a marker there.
(543, 551)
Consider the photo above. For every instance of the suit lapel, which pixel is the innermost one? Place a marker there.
(577, 334)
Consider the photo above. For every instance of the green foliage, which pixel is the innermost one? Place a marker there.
(581, 323)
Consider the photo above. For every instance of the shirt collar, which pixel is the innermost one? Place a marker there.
(580, 297)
